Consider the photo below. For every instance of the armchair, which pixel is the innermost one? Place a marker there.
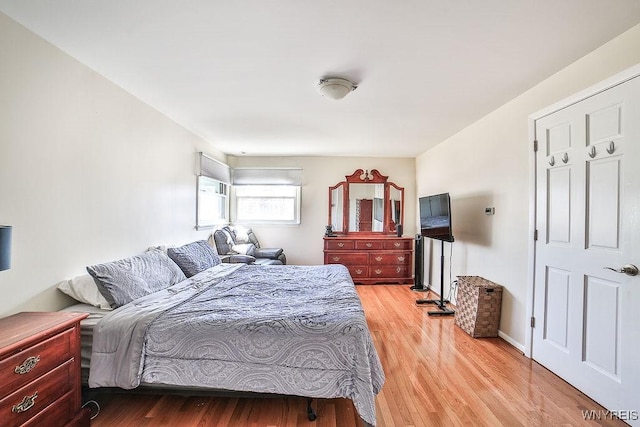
(239, 244)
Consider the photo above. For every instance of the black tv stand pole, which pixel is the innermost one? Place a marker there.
(441, 304)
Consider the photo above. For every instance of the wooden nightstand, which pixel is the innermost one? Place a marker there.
(40, 370)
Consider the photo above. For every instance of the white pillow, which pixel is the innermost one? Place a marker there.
(242, 234)
(84, 289)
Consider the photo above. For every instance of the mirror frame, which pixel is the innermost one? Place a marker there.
(365, 177)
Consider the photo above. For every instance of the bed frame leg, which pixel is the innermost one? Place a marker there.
(311, 414)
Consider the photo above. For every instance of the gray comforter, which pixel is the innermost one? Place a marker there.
(289, 330)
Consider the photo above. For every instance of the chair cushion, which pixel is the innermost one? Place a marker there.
(237, 259)
(244, 249)
(223, 242)
(271, 253)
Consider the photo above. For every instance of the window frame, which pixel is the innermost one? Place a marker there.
(297, 205)
(203, 223)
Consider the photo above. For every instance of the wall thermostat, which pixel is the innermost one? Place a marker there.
(489, 211)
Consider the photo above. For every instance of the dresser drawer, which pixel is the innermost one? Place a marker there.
(32, 362)
(347, 258)
(58, 413)
(384, 258)
(358, 272)
(368, 245)
(339, 245)
(398, 245)
(389, 271)
(37, 395)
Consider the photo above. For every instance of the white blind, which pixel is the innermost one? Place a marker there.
(215, 169)
(267, 176)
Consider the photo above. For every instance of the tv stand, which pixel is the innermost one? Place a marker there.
(441, 303)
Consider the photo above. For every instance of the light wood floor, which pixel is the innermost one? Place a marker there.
(436, 374)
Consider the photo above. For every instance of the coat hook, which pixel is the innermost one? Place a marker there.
(592, 152)
(565, 158)
(552, 161)
(611, 148)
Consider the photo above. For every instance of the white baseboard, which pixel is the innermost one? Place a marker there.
(511, 341)
(501, 334)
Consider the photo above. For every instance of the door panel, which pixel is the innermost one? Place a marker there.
(559, 194)
(604, 124)
(558, 138)
(603, 216)
(602, 331)
(557, 310)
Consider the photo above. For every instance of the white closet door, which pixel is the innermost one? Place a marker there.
(587, 317)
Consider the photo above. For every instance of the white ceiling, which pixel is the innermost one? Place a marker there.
(243, 73)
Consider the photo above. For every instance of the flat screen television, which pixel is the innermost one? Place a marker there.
(435, 217)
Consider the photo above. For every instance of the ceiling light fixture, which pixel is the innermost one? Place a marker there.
(335, 88)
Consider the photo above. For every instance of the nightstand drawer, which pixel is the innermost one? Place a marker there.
(60, 410)
(32, 362)
(25, 403)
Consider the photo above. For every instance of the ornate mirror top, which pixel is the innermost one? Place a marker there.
(366, 177)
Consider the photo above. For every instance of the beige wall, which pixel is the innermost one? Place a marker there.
(303, 243)
(487, 164)
(88, 173)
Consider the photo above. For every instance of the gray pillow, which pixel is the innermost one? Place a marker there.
(123, 281)
(194, 257)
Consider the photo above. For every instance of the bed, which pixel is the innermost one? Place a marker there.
(287, 330)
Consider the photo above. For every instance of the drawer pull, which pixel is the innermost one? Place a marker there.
(401, 258)
(368, 244)
(340, 244)
(378, 258)
(25, 405)
(336, 258)
(398, 269)
(396, 244)
(358, 271)
(27, 365)
(378, 271)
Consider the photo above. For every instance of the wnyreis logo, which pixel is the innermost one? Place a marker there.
(604, 414)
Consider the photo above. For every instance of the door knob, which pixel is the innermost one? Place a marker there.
(628, 269)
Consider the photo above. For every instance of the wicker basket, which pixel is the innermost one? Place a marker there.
(478, 306)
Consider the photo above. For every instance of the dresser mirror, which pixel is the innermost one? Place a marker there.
(336, 207)
(366, 202)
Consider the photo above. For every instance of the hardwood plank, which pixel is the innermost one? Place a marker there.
(437, 375)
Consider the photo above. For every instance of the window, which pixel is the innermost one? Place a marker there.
(212, 203)
(266, 196)
(267, 203)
